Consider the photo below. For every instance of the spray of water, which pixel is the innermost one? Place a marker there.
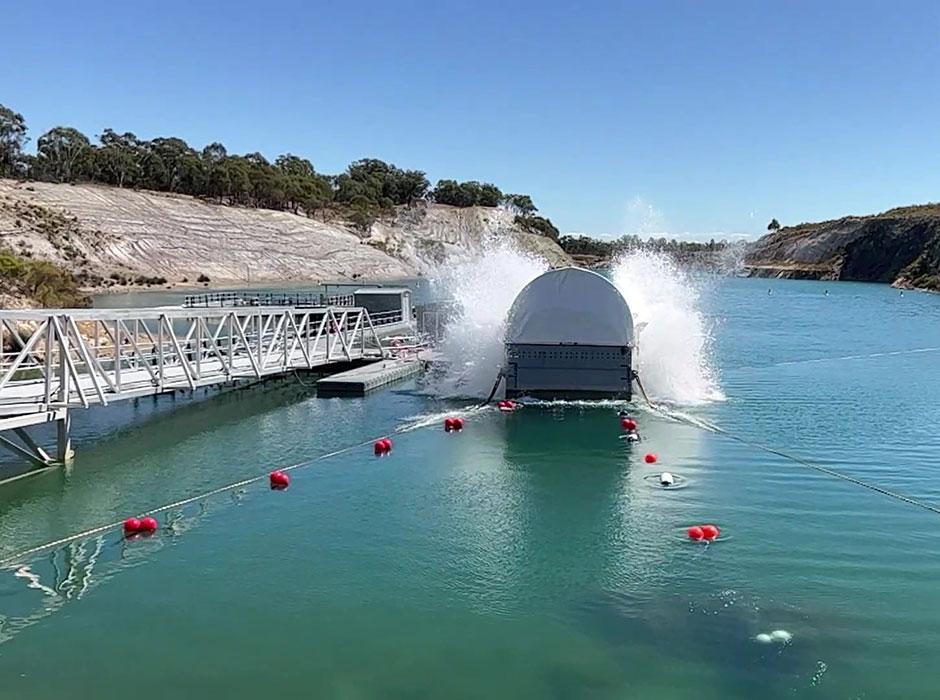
(674, 344)
(483, 289)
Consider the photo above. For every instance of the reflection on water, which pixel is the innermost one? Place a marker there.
(66, 574)
(717, 627)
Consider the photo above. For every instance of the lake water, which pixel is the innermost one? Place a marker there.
(530, 556)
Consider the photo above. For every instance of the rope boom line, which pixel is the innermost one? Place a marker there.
(784, 455)
(16, 558)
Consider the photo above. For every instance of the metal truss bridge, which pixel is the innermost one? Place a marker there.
(54, 361)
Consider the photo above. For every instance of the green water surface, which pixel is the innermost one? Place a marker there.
(531, 556)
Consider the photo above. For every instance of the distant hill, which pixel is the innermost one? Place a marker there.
(111, 237)
(714, 256)
(900, 246)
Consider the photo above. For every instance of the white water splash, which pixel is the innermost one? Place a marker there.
(673, 357)
(484, 289)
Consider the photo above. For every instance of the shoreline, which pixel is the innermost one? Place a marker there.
(235, 285)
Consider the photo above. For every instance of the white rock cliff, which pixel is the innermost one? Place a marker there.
(103, 230)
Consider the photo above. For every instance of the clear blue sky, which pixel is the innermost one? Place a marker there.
(690, 117)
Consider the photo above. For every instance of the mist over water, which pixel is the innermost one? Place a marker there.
(674, 361)
(484, 289)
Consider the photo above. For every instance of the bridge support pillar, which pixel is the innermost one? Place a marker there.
(31, 450)
(64, 452)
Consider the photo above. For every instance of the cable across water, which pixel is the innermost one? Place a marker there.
(16, 558)
(701, 425)
(710, 427)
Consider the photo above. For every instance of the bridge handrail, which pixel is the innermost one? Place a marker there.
(54, 360)
(157, 312)
(252, 299)
(381, 318)
(72, 357)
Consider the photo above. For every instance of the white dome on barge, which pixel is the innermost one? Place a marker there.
(570, 306)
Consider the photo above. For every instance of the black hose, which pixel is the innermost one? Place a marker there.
(499, 379)
(636, 376)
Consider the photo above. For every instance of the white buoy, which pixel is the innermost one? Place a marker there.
(781, 636)
(666, 479)
(633, 437)
(763, 638)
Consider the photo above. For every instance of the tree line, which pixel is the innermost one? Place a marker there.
(367, 189)
(585, 245)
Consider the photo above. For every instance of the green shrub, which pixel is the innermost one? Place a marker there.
(41, 282)
(537, 224)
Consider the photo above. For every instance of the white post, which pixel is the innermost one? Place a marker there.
(117, 354)
(260, 359)
(198, 347)
(64, 425)
(64, 428)
(160, 354)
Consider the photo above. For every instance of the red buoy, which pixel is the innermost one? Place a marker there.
(458, 423)
(650, 458)
(449, 424)
(696, 533)
(131, 526)
(279, 480)
(710, 532)
(148, 524)
(628, 424)
(386, 444)
(502, 404)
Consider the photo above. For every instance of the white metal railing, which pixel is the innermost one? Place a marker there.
(59, 359)
(301, 299)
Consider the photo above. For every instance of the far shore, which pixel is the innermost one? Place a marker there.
(236, 285)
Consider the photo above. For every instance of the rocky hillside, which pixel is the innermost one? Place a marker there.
(900, 246)
(111, 237)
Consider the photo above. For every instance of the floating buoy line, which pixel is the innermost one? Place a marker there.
(453, 425)
(712, 428)
(708, 533)
(382, 447)
(278, 479)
